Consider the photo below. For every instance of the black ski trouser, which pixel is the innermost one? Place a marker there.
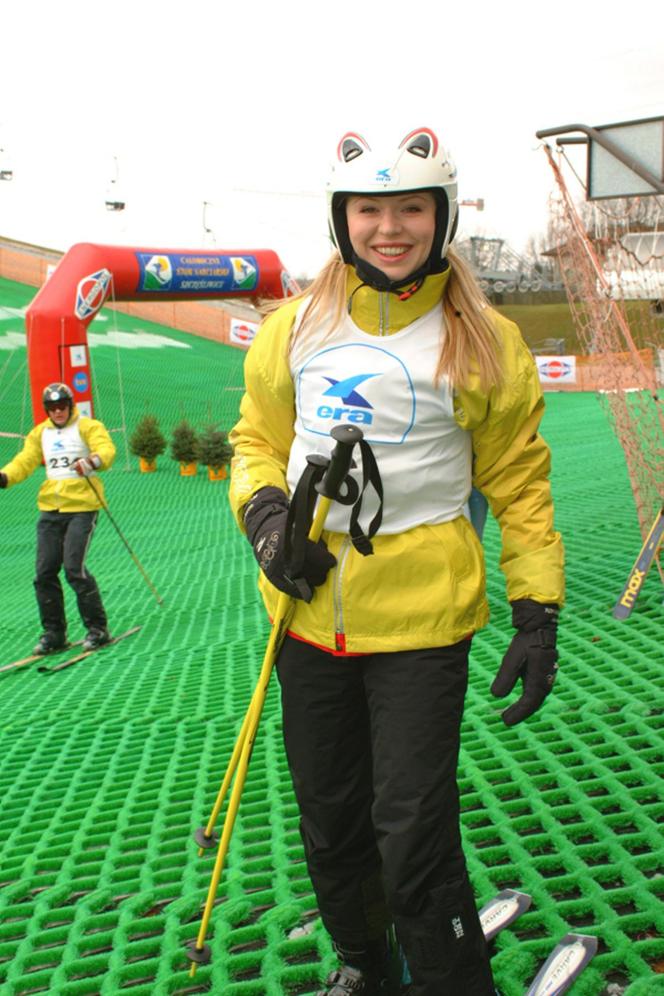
(63, 540)
(372, 745)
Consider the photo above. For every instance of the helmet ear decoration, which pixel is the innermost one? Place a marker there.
(422, 143)
(351, 146)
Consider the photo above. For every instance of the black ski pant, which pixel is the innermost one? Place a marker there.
(372, 744)
(63, 540)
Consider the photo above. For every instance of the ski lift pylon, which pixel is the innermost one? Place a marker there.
(114, 200)
(6, 170)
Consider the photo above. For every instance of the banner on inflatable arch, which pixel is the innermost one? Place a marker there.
(556, 369)
(89, 276)
(192, 272)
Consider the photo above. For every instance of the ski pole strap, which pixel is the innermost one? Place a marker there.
(370, 475)
(298, 522)
(330, 478)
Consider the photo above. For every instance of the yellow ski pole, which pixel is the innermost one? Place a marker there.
(205, 837)
(345, 437)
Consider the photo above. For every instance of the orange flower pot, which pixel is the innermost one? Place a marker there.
(217, 473)
(147, 466)
(188, 469)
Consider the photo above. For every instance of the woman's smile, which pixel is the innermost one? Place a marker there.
(393, 232)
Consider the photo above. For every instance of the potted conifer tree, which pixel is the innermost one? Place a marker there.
(184, 447)
(214, 451)
(147, 443)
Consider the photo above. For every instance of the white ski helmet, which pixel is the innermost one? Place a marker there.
(417, 162)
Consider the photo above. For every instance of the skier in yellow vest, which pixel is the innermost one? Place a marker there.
(72, 448)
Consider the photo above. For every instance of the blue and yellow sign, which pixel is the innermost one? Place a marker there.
(196, 272)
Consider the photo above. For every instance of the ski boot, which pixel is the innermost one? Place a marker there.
(96, 638)
(348, 981)
(49, 642)
(371, 972)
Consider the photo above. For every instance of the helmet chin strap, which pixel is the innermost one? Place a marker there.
(405, 287)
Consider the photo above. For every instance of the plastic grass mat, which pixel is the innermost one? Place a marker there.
(107, 768)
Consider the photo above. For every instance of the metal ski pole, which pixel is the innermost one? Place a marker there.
(104, 505)
(345, 437)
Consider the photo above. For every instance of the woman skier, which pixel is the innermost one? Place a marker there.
(395, 336)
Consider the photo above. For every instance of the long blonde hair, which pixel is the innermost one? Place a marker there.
(470, 346)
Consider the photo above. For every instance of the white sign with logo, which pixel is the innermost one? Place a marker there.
(556, 369)
(77, 356)
(241, 332)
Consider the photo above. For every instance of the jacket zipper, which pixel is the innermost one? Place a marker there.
(382, 313)
(339, 635)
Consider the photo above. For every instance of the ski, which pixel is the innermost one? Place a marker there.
(38, 657)
(637, 575)
(501, 911)
(88, 653)
(564, 965)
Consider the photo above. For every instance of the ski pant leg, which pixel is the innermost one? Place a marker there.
(327, 740)
(48, 589)
(415, 701)
(78, 536)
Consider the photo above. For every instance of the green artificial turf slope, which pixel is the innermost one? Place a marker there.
(108, 768)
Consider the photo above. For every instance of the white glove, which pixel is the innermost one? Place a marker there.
(86, 465)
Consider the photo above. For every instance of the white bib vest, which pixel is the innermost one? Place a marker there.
(384, 385)
(61, 449)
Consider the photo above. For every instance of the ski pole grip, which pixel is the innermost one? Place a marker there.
(345, 436)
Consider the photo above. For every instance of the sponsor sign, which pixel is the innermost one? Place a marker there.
(91, 293)
(327, 395)
(85, 408)
(196, 272)
(242, 333)
(80, 382)
(288, 284)
(556, 369)
(77, 356)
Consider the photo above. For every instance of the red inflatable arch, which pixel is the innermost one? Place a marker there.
(89, 275)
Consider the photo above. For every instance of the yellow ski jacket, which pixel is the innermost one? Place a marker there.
(68, 495)
(424, 587)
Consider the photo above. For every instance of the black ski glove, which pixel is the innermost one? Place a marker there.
(3, 480)
(531, 656)
(265, 520)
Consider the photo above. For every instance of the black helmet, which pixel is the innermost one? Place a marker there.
(57, 392)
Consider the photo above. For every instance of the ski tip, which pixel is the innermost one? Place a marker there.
(564, 965)
(503, 910)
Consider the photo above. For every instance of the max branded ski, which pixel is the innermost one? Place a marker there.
(38, 657)
(637, 575)
(564, 965)
(88, 653)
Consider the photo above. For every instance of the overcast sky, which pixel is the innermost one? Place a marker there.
(241, 105)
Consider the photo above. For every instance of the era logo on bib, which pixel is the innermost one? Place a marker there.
(362, 385)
